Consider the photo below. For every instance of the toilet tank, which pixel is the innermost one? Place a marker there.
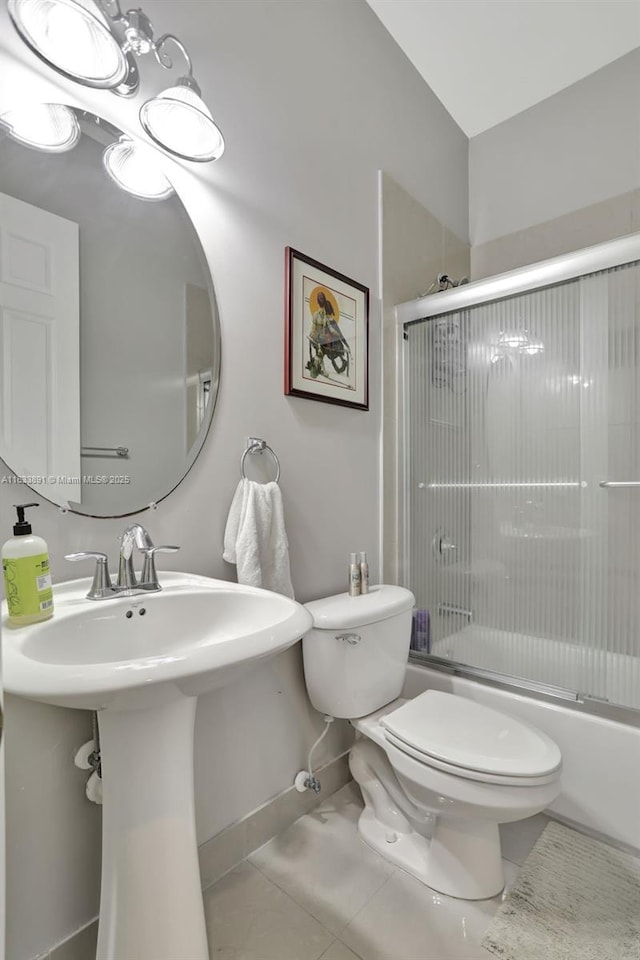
(355, 656)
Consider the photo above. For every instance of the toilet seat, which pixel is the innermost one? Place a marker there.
(469, 740)
(467, 773)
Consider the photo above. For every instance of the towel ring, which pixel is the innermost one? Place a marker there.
(256, 445)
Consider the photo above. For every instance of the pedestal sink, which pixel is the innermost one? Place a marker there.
(141, 662)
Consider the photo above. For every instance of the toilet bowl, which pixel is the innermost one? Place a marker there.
(437, 773)
(436, 817)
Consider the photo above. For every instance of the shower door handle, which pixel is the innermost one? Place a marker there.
(619, 483)
(443, 548)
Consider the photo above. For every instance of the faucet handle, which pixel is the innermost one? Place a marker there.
(101, 586)
(149, 575)
(87, 555)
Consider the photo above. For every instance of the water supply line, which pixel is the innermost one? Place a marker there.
(305, 779)
(87, 757)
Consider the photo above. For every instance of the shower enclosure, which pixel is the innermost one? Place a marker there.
(522, 477)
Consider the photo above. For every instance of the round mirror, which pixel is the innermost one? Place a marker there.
(109, 333)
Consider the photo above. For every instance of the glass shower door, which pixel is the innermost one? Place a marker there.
(516, 411)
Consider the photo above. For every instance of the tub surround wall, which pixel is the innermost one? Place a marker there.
(304, 147)
(562, 175)
(570, 151)
(605, 220)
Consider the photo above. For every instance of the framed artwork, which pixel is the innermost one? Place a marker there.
(326, 334)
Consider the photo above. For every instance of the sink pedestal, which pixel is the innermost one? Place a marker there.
(151, 901)
(143, 675)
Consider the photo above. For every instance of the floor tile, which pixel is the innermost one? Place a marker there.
(322, 864)
(518, 838)
(407, 921)
(250, 918)
(338, 951)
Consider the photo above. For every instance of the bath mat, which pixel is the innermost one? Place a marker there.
(574, 899)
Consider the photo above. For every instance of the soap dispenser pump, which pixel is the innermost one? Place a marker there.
(27, 576)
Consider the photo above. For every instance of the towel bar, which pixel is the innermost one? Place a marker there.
(620, 483)
(106, 452)
(256, 445)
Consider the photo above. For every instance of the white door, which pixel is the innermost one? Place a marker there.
(40, 348)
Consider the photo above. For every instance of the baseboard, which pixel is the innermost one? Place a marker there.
(224, 851)
(229, 847)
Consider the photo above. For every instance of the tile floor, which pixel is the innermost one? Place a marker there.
(316, 892)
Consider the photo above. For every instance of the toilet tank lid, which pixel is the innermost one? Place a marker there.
(342, 611)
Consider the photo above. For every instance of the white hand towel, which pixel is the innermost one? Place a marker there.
(255, 538)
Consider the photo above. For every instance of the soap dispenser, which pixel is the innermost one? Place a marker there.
(27, 577)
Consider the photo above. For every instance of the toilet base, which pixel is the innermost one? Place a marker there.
(462, 859)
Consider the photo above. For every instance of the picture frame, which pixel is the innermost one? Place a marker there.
(326, 334)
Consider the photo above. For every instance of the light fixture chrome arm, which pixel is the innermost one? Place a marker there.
(139, 38)
(164, 59)
(107, 6)
(138, 30)
(177, 119)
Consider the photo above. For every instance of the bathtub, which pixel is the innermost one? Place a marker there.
(601, 758)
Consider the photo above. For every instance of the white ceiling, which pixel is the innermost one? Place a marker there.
(487, 60)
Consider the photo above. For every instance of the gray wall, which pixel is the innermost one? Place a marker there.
(313, 98)
(577, 148)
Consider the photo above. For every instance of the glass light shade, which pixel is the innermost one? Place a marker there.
(50, 127)
(133, 167)
(514, 341)
(532, 347)
(179, 121)
(71, 40)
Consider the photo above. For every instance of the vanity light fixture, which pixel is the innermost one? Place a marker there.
(509, 344)
(56, 128)
(133, 167)
(532, 347)
(50, 127)
(94, 43)
(179, 121)
(513, 341)
(71, 39)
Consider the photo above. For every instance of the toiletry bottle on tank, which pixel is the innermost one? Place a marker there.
(27, 577)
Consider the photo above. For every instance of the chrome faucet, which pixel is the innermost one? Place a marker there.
(127, 583)
(133, 536)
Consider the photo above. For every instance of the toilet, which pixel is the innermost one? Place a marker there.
(437, 773)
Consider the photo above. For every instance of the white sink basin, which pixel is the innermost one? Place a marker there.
(141, 662)
(194, 635)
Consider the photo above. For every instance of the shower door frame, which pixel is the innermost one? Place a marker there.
(536, 276)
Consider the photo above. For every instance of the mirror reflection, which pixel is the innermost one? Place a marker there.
(109, 334)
